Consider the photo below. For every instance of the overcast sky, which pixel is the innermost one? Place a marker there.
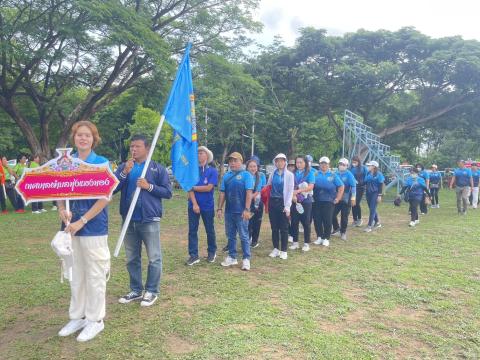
(436, 18)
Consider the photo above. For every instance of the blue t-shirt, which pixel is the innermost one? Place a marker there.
(262, 181)
(417, 187)
(435, 178)
(462, 177)
(277, 185)
(133, 176)
(360, 172)
(476, 177)
(424, 174)
(309, 178)
(235, 185)
(374, 182)
(326, 186)
(350, 185)
(207, 175)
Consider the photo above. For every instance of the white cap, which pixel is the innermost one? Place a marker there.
(343, 161)
(373, 163)
(324, 159)
(280, 156)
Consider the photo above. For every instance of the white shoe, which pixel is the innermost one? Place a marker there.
(246, 264)
(306, 247)
(290, 239)
(36, 212)
(359, 223)
(275, 253)
(148, 299)
(412, 223)
(377, 226)
(229, 261)
(326, 242)
(336, 233)
(319, 241)
(54, 208)
(92, 329)
(283, 255)
(72, 327)
(343, 237)
(368, 229)
(44, 210)
(417, 222)
(295, 246)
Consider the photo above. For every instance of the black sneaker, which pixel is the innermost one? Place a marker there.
(131, 296)
(211, 257)
(148, 299)
(225, 249)
(254, 245)
(192, 260)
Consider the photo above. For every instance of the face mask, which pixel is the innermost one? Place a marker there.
(419, 169)
(342, 167)
(354, 164)
(414, 175)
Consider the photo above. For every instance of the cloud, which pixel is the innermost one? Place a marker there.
(272, 18)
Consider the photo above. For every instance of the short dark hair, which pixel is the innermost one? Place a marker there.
(141, 137)
(357, 159)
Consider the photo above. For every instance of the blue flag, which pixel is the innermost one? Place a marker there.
(180, 114)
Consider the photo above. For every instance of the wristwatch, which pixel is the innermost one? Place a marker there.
(246, 209)
(84, 220)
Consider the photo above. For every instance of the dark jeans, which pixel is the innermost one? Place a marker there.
(149, 234)
(372, 206)
(323, 213)
(12, 196)
(434, 192)
(193, 222)
(36, 206)
(423, 205)
(414, 203)
(357, 209)
(3, 202)
(344, 209)
(279, 224)
(304, 218)
(255, 223)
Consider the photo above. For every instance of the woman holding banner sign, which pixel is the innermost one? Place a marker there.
(88, 224)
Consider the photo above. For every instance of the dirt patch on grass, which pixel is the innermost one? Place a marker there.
(407, 313)
(178, 346)
(355, 295)
(354, 320)
(270, 353)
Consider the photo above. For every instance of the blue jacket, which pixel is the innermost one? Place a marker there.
(150, 199)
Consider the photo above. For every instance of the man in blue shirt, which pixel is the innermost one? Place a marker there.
(236, 193)
(462, 180)
(201, 203)
(476, 180)
(145, 223)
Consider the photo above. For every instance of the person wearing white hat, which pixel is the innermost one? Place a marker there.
(282, 185)
(327, 192)
(201, 203)
(435, 185)
(348, 199)
(374, 181)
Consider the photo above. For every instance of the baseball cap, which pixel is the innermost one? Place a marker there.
(373, 163)
(324, 159)
(236, 155)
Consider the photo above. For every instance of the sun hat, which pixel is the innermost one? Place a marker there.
(209, 153)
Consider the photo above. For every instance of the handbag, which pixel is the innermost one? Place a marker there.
(265, 195)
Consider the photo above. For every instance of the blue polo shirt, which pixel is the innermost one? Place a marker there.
(350, 185)
(207, 175)
(301, 177)
(235, 185)
(424, 174)
(435, 178)
(417, 187)
(374, 182)
(462, 177)
(277, 184)
(476, 177)
(326, 186)
(98, 226)
(133, 176)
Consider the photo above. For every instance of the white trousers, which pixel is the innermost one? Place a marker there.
(475, 197)
(91, 264)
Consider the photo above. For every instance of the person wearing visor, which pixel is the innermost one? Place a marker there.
(282, 183)
(360, 172)
(374, 182)
(327, 192)
(348, 199)
(435, 185)
(462, 180)
(236, 194)
(415, 187)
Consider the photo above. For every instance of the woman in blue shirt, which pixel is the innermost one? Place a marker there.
(302, 200)
(360, 172)
(435, 185)
(256, 208)
(374, 182)
(476, 180)
(416, 188)
(426, 176)
(327, 192)
(348, 199)
(88, 225)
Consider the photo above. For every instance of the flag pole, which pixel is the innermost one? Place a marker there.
(137, 189)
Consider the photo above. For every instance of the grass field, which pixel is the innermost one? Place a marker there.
(395, 293)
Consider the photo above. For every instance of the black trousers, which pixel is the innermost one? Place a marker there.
(255, 223)
(37, 206)
(344, 209)
(279, 224)
(12, 195)
(357, 209)
(323, 215)
(305, 219)
(434, 193)
(423, 205)
(414, 203)
(3, 201)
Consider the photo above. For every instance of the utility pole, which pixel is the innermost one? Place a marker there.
(253, 131)
(206, 127)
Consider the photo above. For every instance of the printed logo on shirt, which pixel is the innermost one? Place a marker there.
(330, 178)
(153, 169)
(239, 177)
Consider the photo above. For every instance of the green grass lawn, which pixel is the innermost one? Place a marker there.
(395, 293)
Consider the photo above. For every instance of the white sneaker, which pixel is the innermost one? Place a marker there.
(229, 261)
(368, 229)
(72, 327)
(306, 247)
(359, 223)
(36, 212)
(377, 226)
(319, 241)
(246, 264)
(336, 233)
(326, 242)
(275, 253)
(92, 329)
(417, 222)
(283, 255)
(148, 299)
(44, 210)
(295, 246)
(290, 239)
(343, 237)
(54, 208)
(412, 223)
